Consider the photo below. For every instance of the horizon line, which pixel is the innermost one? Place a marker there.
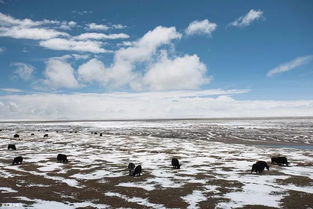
(154, 119)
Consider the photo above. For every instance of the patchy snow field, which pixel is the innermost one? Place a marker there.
(216, 158)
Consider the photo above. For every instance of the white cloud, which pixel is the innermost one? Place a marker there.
(155, 72)
(119, 26)
(23, 71)
(201, 27)
(186, 72)
(2, 49)
(27, 28)
(30, 33)
(176, 104)
(7, 20)
(290, 65)
(122, 71)
(246, 20)
(59, 74)
(65, 25)
(73, 45)
(85, 36)
(94, 26)
(147, 45)
(11, 90)
(93, 70)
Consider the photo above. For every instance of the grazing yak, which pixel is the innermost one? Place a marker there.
(11, 146)
(62, 158)
(100, 134)
(175, 163)
(16, 136)
(259, 166)
(32, 134)
(17, 160)
(131, 167)
(280, 161)
(46, 135)
(137, 171)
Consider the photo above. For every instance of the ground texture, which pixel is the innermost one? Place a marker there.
(216, 158)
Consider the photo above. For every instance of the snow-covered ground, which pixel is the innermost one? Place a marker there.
(215, 171)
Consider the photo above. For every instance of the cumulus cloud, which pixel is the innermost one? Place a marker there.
(144, 64)
(23, 71)
(246, 20)
(147, 45)
(201, 27)
(85, 36)
(122, 71)
(93, 70)
(290, 65)
(186, 72)
(175, 104)
(59, 74)
(73, 45)
(157, 70)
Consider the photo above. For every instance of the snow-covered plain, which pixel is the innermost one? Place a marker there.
(216, 158)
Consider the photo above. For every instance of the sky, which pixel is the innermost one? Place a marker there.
(117, 59)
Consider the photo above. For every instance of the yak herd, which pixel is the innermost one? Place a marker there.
(134, 170)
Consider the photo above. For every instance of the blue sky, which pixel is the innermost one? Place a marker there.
(228, 58)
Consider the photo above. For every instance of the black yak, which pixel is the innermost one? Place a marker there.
(16, 136)
(11, 146)
(17, 160)
(100, 134)
(264, 164)
(280, 161)
(137, 171)
(175, 163)
(62, 158)
(46, 135)
(32, 134)
(259, 166)
(131, 167)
